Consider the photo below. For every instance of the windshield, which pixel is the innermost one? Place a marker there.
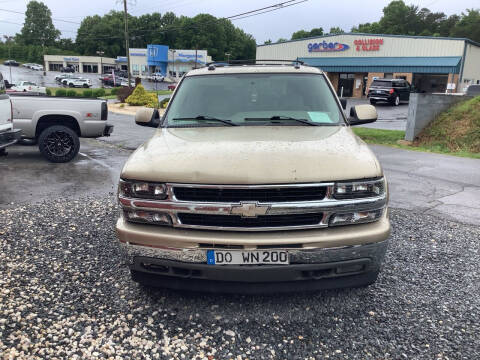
(254, 99)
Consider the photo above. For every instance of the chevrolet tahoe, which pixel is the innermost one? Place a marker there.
(254, 182)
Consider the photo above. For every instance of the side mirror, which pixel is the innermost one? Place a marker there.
(344, 103)
(147, 117)
(362, 114)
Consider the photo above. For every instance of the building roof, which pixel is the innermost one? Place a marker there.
(436, 65)
(377, 35)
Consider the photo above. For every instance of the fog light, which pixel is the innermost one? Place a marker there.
(147, 217)
(359, 217)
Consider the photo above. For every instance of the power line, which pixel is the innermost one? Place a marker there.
(243, 15)
(266, 11)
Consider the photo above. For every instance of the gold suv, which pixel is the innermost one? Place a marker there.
(254, 182)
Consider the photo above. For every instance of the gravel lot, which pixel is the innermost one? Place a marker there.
(64, 295)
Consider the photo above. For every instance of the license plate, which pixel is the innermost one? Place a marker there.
(254, 257)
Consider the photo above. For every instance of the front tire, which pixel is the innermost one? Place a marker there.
(85, 85)
(70, 85)
(58, 144)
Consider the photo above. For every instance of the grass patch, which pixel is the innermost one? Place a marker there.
(160, 92)
(391, 137)
(454, 130)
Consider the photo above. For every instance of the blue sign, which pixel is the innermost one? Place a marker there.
(327, 47)
(70, 58)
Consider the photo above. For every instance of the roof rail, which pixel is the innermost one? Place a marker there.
(257, 62)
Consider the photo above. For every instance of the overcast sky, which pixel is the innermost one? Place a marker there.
(272, 25)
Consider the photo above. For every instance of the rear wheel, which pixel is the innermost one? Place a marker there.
(58, 144)
(373, 102)
(85, 85)
(70, 85)
(396, 101)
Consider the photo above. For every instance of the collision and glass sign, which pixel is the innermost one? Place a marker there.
(327, 47)
(368, 44)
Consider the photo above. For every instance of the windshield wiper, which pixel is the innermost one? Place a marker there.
(208, 118)
(283, 118)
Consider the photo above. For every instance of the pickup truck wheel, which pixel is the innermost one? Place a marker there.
(58, 144)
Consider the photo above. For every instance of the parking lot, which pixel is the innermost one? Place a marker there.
(65, 293)
(48, 80)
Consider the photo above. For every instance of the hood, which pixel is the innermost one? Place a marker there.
(252, 155)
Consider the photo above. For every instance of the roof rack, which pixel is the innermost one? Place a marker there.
(254, 62)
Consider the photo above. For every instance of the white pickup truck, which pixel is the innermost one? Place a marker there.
(27, 86)
(56, 124)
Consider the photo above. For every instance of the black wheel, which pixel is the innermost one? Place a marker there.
(373, 102)
(58, 144)
(3, 152)
(396, 101)
(85, 85)
(70, 85)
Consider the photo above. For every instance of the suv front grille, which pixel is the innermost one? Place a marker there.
(261, 195)
(262, 221)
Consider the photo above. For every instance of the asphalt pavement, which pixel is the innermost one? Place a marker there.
(389, 117)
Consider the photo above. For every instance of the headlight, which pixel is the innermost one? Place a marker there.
(358, 217)
(147, 217)
(144, 190)
(359, 189)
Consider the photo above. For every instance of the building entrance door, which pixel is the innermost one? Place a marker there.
(345, 85)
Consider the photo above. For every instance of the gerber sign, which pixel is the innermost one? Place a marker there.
(327, 47)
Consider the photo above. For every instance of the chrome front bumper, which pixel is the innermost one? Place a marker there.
(373, 251)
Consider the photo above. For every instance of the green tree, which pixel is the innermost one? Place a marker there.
(38, 28)
(282, 40)
(336, 30)
(468, 26)
(300, 34)
(267, 42)
(316, 32)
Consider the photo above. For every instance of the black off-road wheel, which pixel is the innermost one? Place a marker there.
(58, 144)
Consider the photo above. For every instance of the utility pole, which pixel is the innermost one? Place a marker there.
(126, 41)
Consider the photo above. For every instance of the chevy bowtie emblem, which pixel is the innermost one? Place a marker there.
(249, 209)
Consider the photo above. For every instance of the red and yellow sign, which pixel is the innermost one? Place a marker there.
(368, 44)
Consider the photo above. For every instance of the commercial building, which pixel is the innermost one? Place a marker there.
(352, 61)
(82, 64)
(161, 59)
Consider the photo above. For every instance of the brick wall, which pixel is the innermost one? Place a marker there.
(408, 76)
(333, 77)
(371, 76)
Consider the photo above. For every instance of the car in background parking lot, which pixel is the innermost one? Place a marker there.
(27, 86)
(393, 91)
(10, 63)
(80, 82)
(67, 69)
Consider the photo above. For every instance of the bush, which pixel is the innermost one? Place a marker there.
(48, 92)
(71, 93)
(141, 97)
(114, 91)
(164, 103)
(98, 92)
(87, 93)
(124, 93)
(61, 92)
